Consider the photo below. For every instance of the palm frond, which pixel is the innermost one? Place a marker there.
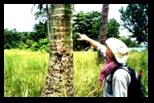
(40, 6)
(32, 8)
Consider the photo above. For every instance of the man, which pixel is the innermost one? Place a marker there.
(116, 54)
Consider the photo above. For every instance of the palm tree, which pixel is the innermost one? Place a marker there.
(103, 27)
(59, 80)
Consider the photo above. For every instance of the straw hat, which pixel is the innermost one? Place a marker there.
(118, 48)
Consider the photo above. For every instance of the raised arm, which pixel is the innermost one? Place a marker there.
(94, 43)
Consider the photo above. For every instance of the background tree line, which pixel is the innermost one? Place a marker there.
(37, 40)
(135, 19)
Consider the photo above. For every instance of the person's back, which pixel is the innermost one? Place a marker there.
(119, 84)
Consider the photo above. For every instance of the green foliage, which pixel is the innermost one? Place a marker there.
(43, 41)
(35, 46)
(135, 19)
(113, 29)
(41, 15)
(29, 43)
(37, 40)
(22, 45)
(87, 23)
(44, 48)
(30, 36)
(129, 42)
(26, 70)
(40, 31)
(11, 39)
(44, 45)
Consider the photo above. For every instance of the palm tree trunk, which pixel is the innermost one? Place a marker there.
(59, 81)
(48, 20)
(103, 28)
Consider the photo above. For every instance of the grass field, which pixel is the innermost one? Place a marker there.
(25, 72)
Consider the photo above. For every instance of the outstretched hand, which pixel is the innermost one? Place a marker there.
(82, 36)
(92, 42)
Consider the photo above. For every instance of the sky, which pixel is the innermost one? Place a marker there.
(20, 17)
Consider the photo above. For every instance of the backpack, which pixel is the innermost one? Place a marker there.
(135, 88)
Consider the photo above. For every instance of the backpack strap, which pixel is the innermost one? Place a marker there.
(135, 88)
(119, 67)
(132, 76)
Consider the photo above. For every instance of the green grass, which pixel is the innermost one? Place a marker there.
(139, 61)
(25, 71)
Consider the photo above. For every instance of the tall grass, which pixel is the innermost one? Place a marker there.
(25, 72)
(86, 72)
(139, 62)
